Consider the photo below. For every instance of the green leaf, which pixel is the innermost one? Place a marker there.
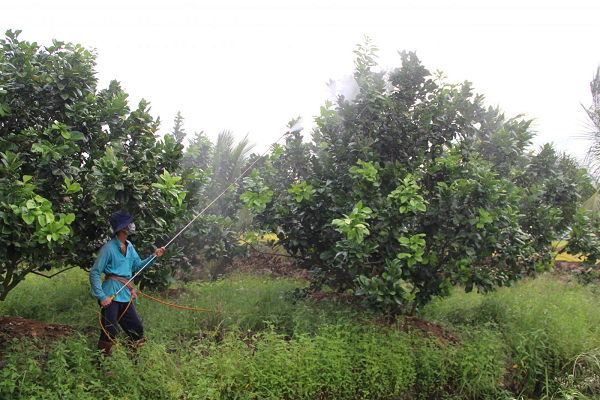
(70, 218)
(28, 218)
(59, 223)
(37, 148)
(74, 188)
(77, 136)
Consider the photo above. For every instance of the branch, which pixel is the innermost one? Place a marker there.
(9, 280)
(50, 276)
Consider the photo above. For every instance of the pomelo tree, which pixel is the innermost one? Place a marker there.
(411, 187)
(70, 155)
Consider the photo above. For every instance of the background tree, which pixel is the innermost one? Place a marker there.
(198, 152)
(207, 246)
(229, 159)
(178, 130)
(71, 155)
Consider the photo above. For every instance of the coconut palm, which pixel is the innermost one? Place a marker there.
(228, 161)
(593, 136)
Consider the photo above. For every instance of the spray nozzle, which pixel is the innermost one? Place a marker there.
(297, 127)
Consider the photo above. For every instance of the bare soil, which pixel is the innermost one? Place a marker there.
(272, 263)
(567, 267)
(20, 327)
(426, 328)
(14, 327)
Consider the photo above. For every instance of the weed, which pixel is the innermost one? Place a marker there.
(535, 339)
(543, 322)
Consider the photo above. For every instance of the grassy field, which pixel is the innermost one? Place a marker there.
(539, 339)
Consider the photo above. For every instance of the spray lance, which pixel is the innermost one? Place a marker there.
(297, 127)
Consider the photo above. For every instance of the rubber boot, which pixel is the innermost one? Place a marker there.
(105, 347)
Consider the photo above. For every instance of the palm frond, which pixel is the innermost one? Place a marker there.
(593, 204)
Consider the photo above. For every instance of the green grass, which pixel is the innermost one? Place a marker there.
(546, 323)
(520, 342)
(64, 299)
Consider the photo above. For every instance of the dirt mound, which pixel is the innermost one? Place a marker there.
(273, 264)
(13, 327)
(572, 271)
(19, 327)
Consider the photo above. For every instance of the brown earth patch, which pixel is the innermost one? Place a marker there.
(408, 324)
(426, 328)
(566, 267)
(270, 263)
(20, 327)
(572, 271)
(321, 295)
(14, 327)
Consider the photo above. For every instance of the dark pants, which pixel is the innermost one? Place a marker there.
(130, 322)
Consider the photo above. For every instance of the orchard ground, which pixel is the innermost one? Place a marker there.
(480, 346)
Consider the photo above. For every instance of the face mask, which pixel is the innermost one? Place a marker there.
(131, 227)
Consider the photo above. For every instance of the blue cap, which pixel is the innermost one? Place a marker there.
(120, 220)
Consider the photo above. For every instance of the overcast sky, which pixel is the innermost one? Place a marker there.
(250, 66)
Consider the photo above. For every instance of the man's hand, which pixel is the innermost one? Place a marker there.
(159, 252)
(106, 302)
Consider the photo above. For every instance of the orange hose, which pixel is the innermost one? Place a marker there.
(115, 342)
(191, 308)
(128, 304)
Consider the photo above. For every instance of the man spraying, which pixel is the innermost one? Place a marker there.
(118, 260)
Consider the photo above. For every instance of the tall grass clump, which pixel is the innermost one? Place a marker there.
(241, 300)
(545, 322)
(256, 302)
(474, 367)
(539, 338)
(345, 361)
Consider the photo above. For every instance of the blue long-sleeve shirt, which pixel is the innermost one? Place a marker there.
(112, 261)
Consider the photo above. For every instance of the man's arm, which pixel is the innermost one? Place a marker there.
(139, 264)
(95, 273)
